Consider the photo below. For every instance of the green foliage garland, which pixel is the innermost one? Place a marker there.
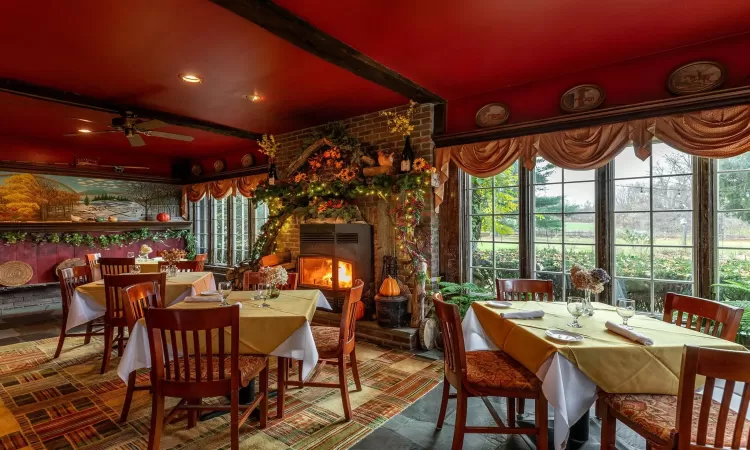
(104, 240)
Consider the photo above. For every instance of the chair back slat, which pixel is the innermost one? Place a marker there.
(453, 340)
(115, 266)
(183, 266)
(70, 279)
(349, 316)
(138, 297)
(115, 297)
(165, 351)
(721, 320)
(727, 365)
(250, 280)
(291, 283)
(521, 290)
(209, 356)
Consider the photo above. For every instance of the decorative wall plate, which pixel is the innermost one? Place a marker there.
(492, 115)
(699, 76)
(218, 165)
(247, 160)
(196, 170)
(15, 273)
(584, 97)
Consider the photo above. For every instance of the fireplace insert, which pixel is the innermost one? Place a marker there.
(332, 256)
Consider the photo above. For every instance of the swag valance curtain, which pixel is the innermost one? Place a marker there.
(220, 189)
(716, 133)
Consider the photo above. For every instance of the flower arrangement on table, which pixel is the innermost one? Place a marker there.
(589, 280)
(275, 276)
(145, 251)
(173, 255)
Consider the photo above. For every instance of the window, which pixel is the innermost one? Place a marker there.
(493, 227)
(259, 217)
(220, 215)
(200, 223)
(241, 228)
(563, 223)
(733, 225)
(653, 226)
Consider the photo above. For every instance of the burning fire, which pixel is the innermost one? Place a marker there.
(318, 271)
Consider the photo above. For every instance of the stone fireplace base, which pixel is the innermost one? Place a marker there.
(400, 338)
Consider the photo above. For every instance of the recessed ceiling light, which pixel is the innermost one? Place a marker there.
(83, 130)
(253, 97)
(190, 78)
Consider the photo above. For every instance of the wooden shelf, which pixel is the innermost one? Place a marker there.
(67, 227)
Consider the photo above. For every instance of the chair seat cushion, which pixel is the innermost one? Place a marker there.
(497, 370)
(250, 367)
(326, 339)
(657, 414)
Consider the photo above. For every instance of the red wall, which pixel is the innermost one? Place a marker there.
(634, 81)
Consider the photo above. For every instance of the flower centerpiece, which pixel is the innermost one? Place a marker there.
(589, 281)
(171, 257)
(275, 277)
(145, 251)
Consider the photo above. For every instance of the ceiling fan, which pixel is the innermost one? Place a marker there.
(133, 129)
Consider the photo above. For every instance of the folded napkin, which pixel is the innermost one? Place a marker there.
(535, 314)
(203, 299)
(630, 334)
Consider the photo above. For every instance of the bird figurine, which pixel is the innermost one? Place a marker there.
(385, 159)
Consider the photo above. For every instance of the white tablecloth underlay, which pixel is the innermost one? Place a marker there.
(300, 345)
(84, 309)
(568, 390)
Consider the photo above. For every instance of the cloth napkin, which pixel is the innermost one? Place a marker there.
(630, 334)
(203, 299)
(535, 314)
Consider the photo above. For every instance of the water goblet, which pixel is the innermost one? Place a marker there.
(575, 308)
(264, 291)
(225, 288)
(626, 309)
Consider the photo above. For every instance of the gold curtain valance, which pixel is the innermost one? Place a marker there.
(220, 189)
(716, 133)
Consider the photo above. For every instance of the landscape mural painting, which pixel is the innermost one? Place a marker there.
(29, 197)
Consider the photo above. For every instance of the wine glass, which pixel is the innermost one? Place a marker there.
(135, 269)
(264, 290)
(575, 308)
(225, 288)
(626, 309)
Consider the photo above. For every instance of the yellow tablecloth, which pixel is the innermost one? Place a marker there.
(614, 363)
(263, 329)
(176, 286)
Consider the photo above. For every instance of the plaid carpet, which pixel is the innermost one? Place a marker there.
(67, 404)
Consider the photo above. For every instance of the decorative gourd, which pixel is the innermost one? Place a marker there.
(163, 217)
(389, 288)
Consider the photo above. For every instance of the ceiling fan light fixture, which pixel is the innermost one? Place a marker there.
(84, 130)
(253, 97)
(191, 78)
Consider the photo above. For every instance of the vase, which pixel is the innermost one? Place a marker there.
(172, 270)
(274, 292)
(588, 307)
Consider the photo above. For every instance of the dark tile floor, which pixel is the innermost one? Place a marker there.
(413, 429)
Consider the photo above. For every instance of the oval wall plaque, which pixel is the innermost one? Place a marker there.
(218, 165)
(196, 170)
(492, 115)
(584, 97)
(247, 160)
(699, 76)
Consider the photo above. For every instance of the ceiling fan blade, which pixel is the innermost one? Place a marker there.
(150, 125)
(92, 132)
(136, 140)
(88, 121)
(177, 137)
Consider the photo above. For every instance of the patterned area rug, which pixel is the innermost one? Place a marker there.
(66, 404)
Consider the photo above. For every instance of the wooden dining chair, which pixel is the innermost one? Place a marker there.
(485, 374)
(210, 371)
(114, 314)
(183, 266)
(201, 258)
(291, 282)
(524, 290)
(70, 279)
(137, 298)
(688, 420)
(115, 266)
(91, 260)
(250, 280)
(334, 345)
(705, 316)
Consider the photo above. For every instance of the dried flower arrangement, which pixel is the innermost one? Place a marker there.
(268, 145)
(145, 249)
(400, 123)
(589, 280)
(173, 255)
(276, 275)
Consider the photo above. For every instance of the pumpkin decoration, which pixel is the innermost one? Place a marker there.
(390, 288)
(163, 217)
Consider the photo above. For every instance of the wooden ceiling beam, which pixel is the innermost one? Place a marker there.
(22, 88)
(296, 31)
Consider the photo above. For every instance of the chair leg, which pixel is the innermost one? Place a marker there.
(60, 343)
(157, 421)
(128, 397)
(193, 414)
(355, 369)
(609, 427)
(235, 420)
(281, 371)
(443, 404)
(344, 385)
(120, 341)
(598, 409)
(299, 371)
(540, 419)
(511, 411)
(263, 388)
(461, 409)
(89, 330)
(108, 329)
(520, 405)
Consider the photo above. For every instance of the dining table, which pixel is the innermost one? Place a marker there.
(89, 300)
(281, 329)
(573, 372)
